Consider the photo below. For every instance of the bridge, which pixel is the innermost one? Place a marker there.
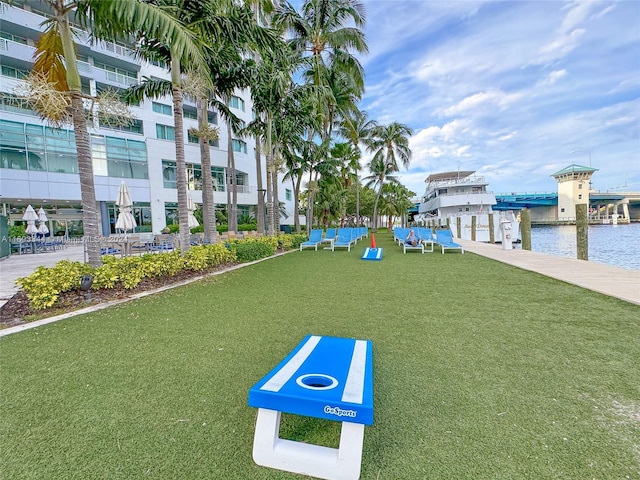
(518, 201)
(602, 205)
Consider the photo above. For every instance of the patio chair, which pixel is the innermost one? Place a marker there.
(444, 238)
(315, 238)
(408, 246)
(344, 239)
(426, 237)
(399, 234)
(329, 237)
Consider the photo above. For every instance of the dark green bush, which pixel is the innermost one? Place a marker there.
(17, 231)
(250, 250)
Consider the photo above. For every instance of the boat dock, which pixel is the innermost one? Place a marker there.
(606, 279)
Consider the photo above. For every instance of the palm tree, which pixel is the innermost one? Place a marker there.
(322, 33)
(395, 201)
(275, 100)
(357, 128)
(56, 59)
(389, 144)
(348, 157)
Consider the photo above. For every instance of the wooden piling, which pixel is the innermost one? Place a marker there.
(582, 237)
(525, 228)
(458, 226)
(473, 227)
(492, 233)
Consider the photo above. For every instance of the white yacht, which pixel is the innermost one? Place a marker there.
(463, 194)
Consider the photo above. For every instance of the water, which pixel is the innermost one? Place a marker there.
(617, 245)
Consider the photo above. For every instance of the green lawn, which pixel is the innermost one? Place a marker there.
(481, 371)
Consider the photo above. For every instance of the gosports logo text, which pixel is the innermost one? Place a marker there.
(339, 412)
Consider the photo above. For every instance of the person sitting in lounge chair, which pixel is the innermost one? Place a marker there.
(412, 239)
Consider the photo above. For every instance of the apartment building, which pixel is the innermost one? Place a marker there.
(38, 163)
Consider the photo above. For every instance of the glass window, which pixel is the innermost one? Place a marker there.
(239, 146)
(13, 72)
(171, 213)
(126, 158)
(191, 113)
(162, 108)
(169, 174)
(13, 38)
(165, 132)
(236, 102)
(99, 156)
(194, 139)
(288, 194)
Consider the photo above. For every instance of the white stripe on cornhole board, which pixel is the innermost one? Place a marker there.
(282, 376)
(354, 387)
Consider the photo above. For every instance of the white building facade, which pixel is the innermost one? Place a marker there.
(38, 163)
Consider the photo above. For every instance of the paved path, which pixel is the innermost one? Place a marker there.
(617, 282)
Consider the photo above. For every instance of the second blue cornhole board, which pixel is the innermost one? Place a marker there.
(372, 254)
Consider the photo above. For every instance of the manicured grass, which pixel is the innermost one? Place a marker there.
(481, 371)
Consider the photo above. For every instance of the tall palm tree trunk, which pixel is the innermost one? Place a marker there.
(208, 203)
(260, 212)
(181, 164)
(357, 198)
(232, 217)
(87, 187)
(270, 168)
(83, 145)
(275, 209)
(375, 205)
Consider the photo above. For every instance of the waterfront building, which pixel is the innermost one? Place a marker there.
(574, 184)
(38, 163)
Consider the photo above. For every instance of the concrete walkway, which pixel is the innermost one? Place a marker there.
(616, 282)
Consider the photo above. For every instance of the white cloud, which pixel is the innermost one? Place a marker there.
(486, 99)
(553, 77)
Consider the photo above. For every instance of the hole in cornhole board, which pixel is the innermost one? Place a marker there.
(316, 431)
(316, 381)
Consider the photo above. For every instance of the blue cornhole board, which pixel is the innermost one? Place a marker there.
(323, 377)
(372, 254)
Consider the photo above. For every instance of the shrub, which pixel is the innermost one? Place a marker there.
(44, 286)
(208, 256)
(17, 231)
(251, 249)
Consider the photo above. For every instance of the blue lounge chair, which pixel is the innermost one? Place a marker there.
(315, 238)
(426, 236)
(399, 234)
(445, 240)
(329, 237)
(344, 239)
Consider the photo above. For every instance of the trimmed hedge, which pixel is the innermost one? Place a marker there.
(44, 286)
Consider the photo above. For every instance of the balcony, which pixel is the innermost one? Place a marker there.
(18, 51)
(22, 19)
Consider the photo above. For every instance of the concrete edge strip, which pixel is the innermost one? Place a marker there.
(102, 306)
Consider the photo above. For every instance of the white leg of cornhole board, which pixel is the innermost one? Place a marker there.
(343, 463)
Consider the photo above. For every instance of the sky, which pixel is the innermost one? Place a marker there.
(515, 90)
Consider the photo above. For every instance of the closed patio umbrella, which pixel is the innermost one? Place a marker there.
(42, 218)
(191, 207)
(30, 216)
(125, 220)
